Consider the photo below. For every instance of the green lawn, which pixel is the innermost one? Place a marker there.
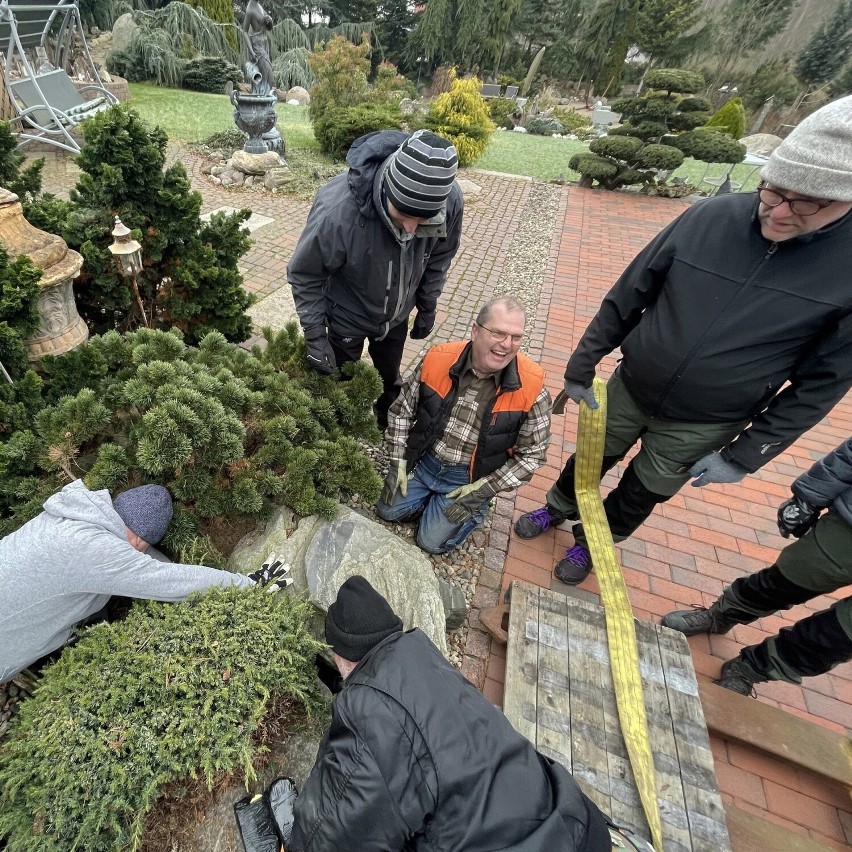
(194, 117)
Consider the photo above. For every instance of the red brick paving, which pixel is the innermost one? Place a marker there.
(696, 543)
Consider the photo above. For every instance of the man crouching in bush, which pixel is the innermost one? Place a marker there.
(61, 568)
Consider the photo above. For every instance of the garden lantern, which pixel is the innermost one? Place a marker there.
(128, 258)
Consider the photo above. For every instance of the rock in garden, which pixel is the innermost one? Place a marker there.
(762, 144)
(468, 187)
(122, 31)
(352, 544)
(297, 93)
(407, 106)
(277, 177)
(254, 164)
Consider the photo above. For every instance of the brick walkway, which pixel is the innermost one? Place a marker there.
(689, 549)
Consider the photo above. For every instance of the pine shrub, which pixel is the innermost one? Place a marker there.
(173, 692)
(210, 74)
(190, 278)
(25, 183)
(340, 69)
(461, 116)
(339, 127)
(730, 118)
(544, 125)
(710, 146)
(230, 433)
(500, 109)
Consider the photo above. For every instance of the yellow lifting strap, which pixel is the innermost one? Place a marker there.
(621, 632)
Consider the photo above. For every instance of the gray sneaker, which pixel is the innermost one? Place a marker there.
(691, 622)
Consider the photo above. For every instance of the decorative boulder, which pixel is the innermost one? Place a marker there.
(297, 93)
(278, 177)
(122, 31)
(761, 144)
(254, 164)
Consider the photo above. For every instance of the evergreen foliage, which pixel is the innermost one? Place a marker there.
(221, 11)
(730, 118)
(710, 146)
(210, 74)
(337, 129)
(771, 79)
(667, 30)
(26, 183)
(674, 80)
(173, 691)
(544, 125)
(341, 70)
(598, 37)
(228, 432)
(190, 278)
(828, 50)
(461, 116)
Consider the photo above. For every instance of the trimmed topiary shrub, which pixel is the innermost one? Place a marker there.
(230, 433)
(210, 74)
(593, 168)
(674, 80)
(338, 128)
(662, 157)
(695, 104)
(709, 146)
(617, 147)
(174, 692)
(645, 130)
(461, 116)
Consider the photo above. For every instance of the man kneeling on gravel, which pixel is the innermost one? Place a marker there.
(60, 569)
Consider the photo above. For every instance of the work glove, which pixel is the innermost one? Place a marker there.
(272, 574)
(576, 393)
(423, 324)
(467, 500)
(713, 468)
(796, 517)
(396, 480)
(320, 354)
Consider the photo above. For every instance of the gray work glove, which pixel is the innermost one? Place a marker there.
(576, 392)
(467, 500)
(272, 574)
(796, 517)
(320, 354)
(423, 324)
(713, 468)
(396, 480)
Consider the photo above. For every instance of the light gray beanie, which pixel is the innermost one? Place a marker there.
(816, 158)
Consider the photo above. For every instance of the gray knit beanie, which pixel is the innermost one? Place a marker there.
(420, 175)
(816, 158)
(146, 510)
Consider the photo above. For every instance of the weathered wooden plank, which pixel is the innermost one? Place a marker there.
(519, 692)
(670, 792)
(750, 833)
(704, 809)
(795, 740)
(590, 684)
(553, 705)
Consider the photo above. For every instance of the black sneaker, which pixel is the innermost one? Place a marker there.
(535, 523)
(739, 676)
(575, 566)
(691, 622)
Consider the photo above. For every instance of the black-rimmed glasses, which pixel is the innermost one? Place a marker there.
(500, 336)
(799, 206)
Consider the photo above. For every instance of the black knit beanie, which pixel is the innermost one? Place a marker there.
(420, 175)
(358, 620)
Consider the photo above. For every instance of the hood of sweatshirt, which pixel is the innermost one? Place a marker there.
(76, 503)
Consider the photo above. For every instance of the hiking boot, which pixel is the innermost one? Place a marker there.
(535, 523)
(575, 566)
(739, 676)
(691, 622)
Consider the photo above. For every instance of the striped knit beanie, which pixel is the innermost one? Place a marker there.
(421, 174)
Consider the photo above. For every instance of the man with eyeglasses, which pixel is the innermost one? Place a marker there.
(735, 329)
(472, 420)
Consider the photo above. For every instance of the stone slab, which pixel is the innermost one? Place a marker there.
(254, 222)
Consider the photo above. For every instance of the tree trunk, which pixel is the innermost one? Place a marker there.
(761, 116)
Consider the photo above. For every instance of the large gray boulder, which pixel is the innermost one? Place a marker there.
(762, 144)
(122, 31)
(297, 93)
(254, 164)
(323, 554)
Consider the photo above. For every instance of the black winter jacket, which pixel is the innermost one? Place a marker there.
(713, 319)
(829, 482)
(417, 759)
(350, 270)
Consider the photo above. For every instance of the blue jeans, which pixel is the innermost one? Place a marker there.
(426, 497)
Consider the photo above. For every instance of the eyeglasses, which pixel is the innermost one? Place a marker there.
(500, 336)
(799, 206)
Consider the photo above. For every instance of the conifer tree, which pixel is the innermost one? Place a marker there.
(829, 48)
(730, 118)
(221, 11)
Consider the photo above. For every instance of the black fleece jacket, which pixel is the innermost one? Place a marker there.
(713, 319)
(351, 271)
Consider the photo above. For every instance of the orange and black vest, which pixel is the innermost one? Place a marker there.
(520, 384)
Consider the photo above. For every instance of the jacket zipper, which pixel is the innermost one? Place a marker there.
(384, 334)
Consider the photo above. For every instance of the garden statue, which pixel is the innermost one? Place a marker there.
(254, 113)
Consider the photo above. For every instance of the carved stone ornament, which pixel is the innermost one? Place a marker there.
(62, 328)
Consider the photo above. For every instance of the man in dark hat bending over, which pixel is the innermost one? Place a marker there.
(417, 759)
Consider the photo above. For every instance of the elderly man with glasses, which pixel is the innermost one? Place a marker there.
(472, 420)
(735, 329)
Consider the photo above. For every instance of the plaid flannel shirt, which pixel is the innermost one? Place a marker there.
(458, 441)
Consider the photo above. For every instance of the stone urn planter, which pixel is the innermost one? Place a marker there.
(62, 328)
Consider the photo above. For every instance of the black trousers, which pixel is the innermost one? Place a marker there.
(387, 357)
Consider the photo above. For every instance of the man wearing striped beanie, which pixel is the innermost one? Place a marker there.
(378, 243)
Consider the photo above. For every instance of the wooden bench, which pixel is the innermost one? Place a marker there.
(559, 694)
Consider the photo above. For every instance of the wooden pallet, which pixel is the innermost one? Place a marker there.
(559, 694)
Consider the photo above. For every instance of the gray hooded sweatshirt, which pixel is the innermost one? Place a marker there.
(64, 565)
